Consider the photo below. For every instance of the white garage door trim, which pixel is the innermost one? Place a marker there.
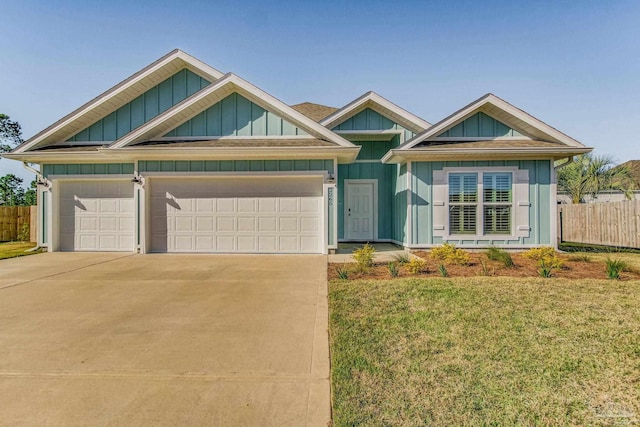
(95, 215)
(236, 214)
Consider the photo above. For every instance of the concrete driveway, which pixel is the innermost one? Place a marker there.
(121, 339)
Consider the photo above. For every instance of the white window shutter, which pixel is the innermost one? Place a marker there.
(440, 219)
(521, 199)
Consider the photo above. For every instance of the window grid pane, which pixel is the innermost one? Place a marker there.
(463, 188)
(462, 219)
(497, 188)
(497, 219)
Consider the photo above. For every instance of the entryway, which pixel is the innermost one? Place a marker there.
(361, 204)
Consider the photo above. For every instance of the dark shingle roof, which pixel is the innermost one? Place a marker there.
(315, 112)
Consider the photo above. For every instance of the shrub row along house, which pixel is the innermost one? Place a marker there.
(181, 157)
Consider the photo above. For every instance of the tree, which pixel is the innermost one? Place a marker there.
(10, 133)
(31, 196)
(11, 191)
(590, 175)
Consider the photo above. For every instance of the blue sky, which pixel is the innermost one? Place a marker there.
(572, 64)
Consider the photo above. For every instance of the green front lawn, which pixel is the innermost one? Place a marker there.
(485, 351)
(16, 249)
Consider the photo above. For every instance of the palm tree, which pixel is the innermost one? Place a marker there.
(590, 175)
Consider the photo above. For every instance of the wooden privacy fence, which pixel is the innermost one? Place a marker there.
(13, 220)
(610, 224)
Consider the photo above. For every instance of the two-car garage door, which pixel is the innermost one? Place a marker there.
(236, 214)
(225, 215)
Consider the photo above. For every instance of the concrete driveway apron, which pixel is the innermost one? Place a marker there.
(120, 339)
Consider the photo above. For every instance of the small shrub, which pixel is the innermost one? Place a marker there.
(417, 266)
(364, 256)
(546, 254)
(580, 258)
(614, 268)
(500, 255)
(450, 254)
(442, 269)
(402, 258)
(393, 269)
(24, 234)
(343, 272)
(484, 271)
(545, 270)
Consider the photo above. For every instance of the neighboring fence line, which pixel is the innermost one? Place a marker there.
(609, 224)
(13, 220)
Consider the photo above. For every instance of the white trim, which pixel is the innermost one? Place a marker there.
(375, 206)
(368, 161)
(174, 59)
(477, 138)
(409, 204)
(478, 246)
(210, 95)
(480, 171)
(233, 137)
(96, 177)
(553, 203)
(380, 105)
(236, 174)
(481, 105)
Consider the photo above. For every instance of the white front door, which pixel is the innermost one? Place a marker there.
(360, 210)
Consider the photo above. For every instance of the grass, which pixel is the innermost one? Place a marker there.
(587, 247)
(16, 249)
(485, 351)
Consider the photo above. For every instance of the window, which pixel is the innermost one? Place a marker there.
(497, 200)
(463, 203)
(492, 213)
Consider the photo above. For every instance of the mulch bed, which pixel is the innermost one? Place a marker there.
(524, 267)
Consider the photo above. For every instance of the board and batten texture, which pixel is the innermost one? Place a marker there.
(609, 224)
(143, 108)
(369, 119)
(235, 115)
(540, 209)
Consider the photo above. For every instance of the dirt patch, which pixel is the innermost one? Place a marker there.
(524, 267)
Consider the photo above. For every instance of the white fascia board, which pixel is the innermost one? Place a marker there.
(382, 105)
(401, 156)
(206, 97)
(343, 154)
(174, 56)
(475, 106)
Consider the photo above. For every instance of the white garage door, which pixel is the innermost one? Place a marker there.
(250, 215)
(96, 216)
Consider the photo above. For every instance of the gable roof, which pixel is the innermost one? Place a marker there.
(210, 95)
(315, 112)
(502, 111)
(119, 95)
(381, 105)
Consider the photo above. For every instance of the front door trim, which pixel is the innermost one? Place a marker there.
(346, 207)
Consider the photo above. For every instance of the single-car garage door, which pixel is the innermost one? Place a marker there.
(96, 216)
(239, 214)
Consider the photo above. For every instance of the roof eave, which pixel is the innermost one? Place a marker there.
(416, 154)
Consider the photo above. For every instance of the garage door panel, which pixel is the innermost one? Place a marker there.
(96, 216)
(237, 215)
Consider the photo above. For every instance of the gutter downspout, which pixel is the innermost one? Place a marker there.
(38, 175)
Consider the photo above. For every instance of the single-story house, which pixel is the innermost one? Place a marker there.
(181, 157)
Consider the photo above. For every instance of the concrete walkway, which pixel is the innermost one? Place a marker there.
(385, 252)
(120, 339)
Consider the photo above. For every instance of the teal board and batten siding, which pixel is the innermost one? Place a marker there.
(384, 175)
(235, 115)
(369, 119)
(235, 165)
(400, 205)
(88, 169)
(143, 108)
(480, 125)
(540, 210)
